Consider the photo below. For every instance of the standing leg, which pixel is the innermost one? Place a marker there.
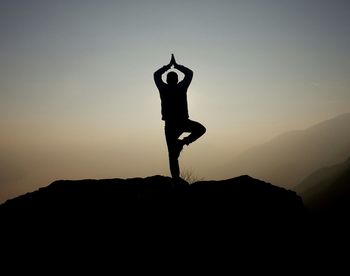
(172, 134)
(196, 129)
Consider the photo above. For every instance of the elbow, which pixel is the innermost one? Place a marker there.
(189, 71)
(156, 75)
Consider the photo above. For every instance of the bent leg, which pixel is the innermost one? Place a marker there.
(196, 129)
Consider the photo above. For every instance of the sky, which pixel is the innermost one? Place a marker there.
(77, 97)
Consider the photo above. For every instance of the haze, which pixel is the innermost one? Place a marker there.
(77, 97)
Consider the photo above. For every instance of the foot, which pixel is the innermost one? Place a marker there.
(185, 141)
(178, 181)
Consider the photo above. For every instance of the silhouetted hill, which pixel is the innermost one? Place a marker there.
(327, 190)
(290, 157)
(156, 220)
(155, 201)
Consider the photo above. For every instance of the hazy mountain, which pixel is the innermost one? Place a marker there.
(327, 189)
(290, 157)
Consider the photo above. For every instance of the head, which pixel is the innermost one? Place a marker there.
(172, 78)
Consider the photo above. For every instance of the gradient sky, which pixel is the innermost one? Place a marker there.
(77, 98)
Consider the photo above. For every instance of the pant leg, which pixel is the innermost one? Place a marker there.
(172, 133)
(196, 129)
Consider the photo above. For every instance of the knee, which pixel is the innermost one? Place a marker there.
(203, 129)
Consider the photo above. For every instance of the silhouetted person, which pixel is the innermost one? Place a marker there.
(173, 95)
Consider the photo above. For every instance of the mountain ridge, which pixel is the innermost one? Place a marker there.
(327, 189)
(286, 159)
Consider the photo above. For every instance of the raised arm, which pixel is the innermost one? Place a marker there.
(158, 75)
(187, 72)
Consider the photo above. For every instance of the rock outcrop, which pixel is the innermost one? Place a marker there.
(158, 199)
